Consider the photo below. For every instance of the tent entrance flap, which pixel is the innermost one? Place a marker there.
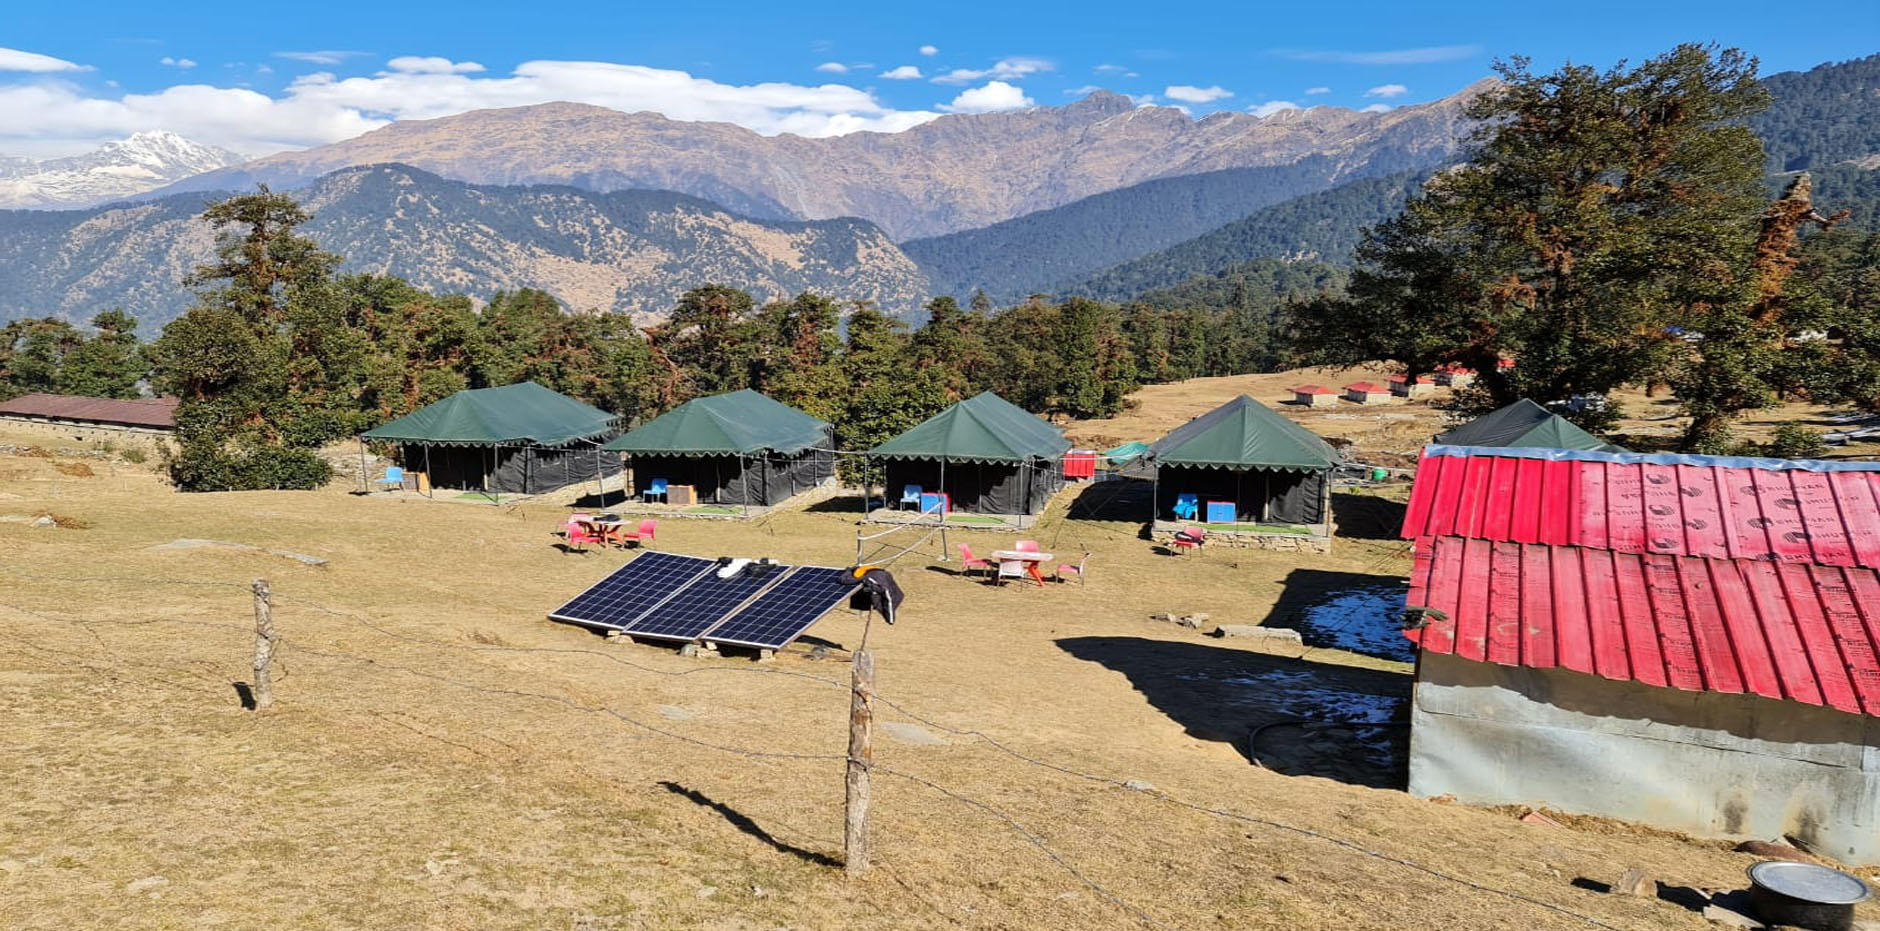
(529, 470)
(977, 487)
(756, 480)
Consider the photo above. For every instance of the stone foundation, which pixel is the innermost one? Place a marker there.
(1241, 539)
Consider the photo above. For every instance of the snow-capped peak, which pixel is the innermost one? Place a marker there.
(141, 162)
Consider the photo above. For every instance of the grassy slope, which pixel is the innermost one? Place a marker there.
(405, 780)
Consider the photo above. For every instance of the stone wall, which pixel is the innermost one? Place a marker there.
(1283, 542)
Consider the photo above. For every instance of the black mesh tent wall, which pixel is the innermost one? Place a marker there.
(978, 487)
(1259, 495)
(761, 479)
(528, 470)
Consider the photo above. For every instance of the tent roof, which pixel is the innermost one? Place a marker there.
(740, 423)
(521, 413)
(1244, 434)
(982, 428)
(1524, 424)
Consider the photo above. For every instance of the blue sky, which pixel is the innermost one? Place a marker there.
(264, 77)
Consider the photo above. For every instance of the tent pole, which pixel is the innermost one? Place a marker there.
(364, 480)
(1266, 497)
(496, 494)
(430, 481)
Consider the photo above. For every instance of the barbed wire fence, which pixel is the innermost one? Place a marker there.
(294, 644)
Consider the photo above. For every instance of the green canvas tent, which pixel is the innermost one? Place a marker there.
(1524, 424)
(517, 438)
(1244, 454)
(736, 448)
(988, 455)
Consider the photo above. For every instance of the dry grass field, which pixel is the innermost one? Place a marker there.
(441, 756)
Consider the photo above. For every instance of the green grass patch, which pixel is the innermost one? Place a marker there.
(1261, 528)
(476, 496)
(974, 519)
(711, 509)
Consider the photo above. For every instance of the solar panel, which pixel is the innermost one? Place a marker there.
(701, 604)
(781, 614)
(632, 590)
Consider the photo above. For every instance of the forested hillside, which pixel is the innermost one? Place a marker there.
(632, 252)
(1040, 251)
(1323, 227)
(1823, 116)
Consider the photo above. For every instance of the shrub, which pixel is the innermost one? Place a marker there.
(1794, 441)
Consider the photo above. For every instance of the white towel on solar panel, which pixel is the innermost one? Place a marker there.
(733, 568)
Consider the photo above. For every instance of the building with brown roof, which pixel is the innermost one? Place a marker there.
(137, 415)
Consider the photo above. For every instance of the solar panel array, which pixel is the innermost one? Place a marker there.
(632, 590)
(668, 596)
(701, 605)
(781, 614)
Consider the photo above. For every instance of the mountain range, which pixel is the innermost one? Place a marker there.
(114, 171)
(623, 211)
(953, 173)
(629, 252)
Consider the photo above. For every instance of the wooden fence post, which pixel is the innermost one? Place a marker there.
(861, 757)
(264, 645)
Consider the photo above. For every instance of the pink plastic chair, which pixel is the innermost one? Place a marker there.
(1189, 540)
(1076, 570)
(580, 533)
(640, 536)
(969, 562)
(1026, 546)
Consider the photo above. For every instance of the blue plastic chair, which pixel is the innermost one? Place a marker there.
(394, 476)
(910, 494)
(655, 487)
(1187, 505)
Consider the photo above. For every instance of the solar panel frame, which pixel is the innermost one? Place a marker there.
(785, 610)
(701, 605)
(629, 592)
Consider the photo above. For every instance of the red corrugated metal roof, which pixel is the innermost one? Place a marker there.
(1676, 505)
(1692, 572)
(1806, 633)
(1366, 387)
(140, 412)
(1421, 379)
(1313, 389)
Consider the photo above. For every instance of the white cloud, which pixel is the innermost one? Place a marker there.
(326, 57)
(1188, 93)
(1271, 107)
(1318, 90)
(183, 63)
(1377, 108)
(58, 118)
(833, 67)
(929, 51)
(1403, 56)
(414, 64)
(12, 59)
(995, 95)
(1387, 91)
(1144, 100)
(1005, 69)
(902, 73)
(1109, 69)
(1082, 91)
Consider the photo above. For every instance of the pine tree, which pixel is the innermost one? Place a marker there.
(110, 363)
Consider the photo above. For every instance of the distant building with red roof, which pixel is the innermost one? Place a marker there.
(1404, 386)
(1455, 376)
(137, 414)
(1687, 641)
(1315, 396)
(1364, 392)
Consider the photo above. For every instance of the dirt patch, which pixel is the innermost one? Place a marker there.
(74, 469)
(35, 452)
(66, 522)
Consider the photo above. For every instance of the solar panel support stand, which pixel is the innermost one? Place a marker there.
(861, 758)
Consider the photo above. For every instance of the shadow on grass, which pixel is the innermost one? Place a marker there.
(1364, 517)
(744, 824)
(1286, 714)
(1352, 611)
(599, 499)
(838, 504)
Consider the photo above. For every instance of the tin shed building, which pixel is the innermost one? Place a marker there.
(1685, 641)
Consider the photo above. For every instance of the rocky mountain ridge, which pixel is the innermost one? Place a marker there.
(628, 252)
(956, 172)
